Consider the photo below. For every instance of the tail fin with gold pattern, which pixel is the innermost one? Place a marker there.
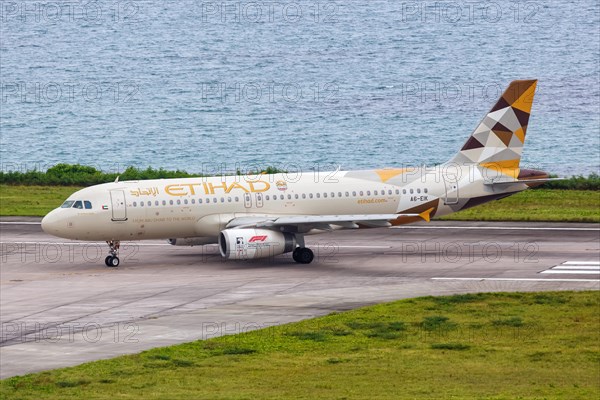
(497, 142)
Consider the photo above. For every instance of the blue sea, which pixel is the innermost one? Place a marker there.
(225, 85)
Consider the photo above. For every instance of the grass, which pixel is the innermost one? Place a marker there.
(32, 200)
(496, 346)
(531, 205)
(537, 205)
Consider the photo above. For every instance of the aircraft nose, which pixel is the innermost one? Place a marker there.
(51, 222)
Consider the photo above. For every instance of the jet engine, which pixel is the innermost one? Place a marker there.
(192, 241)
(250, 243)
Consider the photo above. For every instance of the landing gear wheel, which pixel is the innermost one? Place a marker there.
(303, 255)
(112, 260)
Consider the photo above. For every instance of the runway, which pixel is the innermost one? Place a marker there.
(60, 306)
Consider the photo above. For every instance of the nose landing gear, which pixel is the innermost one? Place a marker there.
(112, 260)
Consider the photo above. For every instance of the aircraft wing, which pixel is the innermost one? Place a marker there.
(307, 222)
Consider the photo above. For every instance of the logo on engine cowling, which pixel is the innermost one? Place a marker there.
(257, 239)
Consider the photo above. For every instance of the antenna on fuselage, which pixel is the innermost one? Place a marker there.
(117, 179)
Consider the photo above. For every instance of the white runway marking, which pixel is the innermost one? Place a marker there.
(582, 263)
(19, 223)
(574, 272)
(91, 243)
(499, 228)
(575, 268)
(517, 279)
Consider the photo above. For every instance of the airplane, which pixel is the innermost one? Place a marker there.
(258, 216)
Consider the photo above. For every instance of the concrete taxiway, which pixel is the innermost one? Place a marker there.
(60, 306)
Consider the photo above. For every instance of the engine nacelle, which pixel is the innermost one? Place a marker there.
(250, 243)
(192, 241)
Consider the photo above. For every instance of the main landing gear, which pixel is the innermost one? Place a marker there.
(302, 254)
(112, 259)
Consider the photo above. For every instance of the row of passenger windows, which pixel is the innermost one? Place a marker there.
(77, 204)
(88, 205)
(276, 197)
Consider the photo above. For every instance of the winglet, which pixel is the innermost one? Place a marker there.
(426, 214)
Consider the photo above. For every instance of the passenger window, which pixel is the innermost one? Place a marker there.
(368, 192)
(361, 192)
(229, 199)
(347, 194)
(134, 204)
(141, 204)
(281, 197)
(171, 202)
(354, 194)
(193, 201)
(303, 195)
(390, 191)
(425, 190)
(397, 191)
(325, 195)
(375, 193)
(178, 202)
(403, 191)
(185, 201)
(267, 197)
(199, 201)
(237, 199)
(156, 203)
(222, 199)
(164, 202)
(289, 196)
(310, 195)
(87, 204)
(411, 191)
(318, 195)
(296, 196)
(418, 190)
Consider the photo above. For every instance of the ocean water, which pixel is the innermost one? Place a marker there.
(204, 86)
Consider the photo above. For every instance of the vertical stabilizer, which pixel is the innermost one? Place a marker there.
(497, 142)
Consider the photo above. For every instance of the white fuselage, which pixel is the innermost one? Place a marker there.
(202, 207)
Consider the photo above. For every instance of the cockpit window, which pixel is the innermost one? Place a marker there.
(78, 204)
(67, 204)
(87, 204)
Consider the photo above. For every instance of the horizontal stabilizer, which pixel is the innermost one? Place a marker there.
(510, 182)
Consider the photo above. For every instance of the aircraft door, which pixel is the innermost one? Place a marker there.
(119, 209)
(451, 184)
(259, 200)
(247, 200)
